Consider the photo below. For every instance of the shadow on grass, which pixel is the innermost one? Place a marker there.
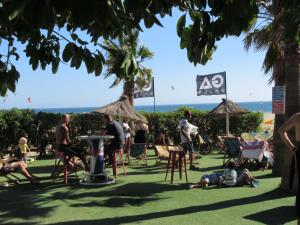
(274, 194)
(280, 215)
(41, 169)
(23, 201)
(265, 176)
(154, 169)
(28, 200)
(135, 190)
(211, 168)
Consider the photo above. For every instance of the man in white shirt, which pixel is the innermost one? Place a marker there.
(126, 129)
(185, 136)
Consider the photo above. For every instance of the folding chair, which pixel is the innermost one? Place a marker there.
(11, 177)
(139, 151)
(232, 150)
(161, 152)
(207, 143)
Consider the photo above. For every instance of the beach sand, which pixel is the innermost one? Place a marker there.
(267, 117)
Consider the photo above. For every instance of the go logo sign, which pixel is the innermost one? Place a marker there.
(211, 84)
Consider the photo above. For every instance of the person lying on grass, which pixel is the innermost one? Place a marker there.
(209, 179)
(233, 178)
(13, 164)
(229, 178)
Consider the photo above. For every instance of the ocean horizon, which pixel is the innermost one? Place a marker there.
(258, 106)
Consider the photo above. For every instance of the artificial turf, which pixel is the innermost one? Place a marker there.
(144, 197)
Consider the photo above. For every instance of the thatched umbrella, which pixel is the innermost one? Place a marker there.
(122, 108)
(227, 107)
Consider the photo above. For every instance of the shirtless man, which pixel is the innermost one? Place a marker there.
(293, 122)
(63, 140)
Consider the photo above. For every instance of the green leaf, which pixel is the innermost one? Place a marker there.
(148, 19)
(68, 52)
(82, 42)
(157, 21)
(35, 63)
(89, 61)
(74, 60)
(55, 64)
(98, 67)
(3, 88)
(181, 24)
(17, 11)
(74, 36)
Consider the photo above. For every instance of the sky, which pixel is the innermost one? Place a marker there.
(175, 76)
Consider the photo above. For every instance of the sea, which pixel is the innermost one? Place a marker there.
(265, 106)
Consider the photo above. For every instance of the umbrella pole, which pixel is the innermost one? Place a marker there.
(227, 118)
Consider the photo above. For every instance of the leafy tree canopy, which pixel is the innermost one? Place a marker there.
(50, 30)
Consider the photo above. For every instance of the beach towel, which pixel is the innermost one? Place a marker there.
(254, 149)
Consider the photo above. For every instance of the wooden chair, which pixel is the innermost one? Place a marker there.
(161, 152)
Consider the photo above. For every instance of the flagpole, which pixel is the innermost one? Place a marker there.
(227, 114)
(154, 106)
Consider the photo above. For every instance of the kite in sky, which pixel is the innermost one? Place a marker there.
(29, 100)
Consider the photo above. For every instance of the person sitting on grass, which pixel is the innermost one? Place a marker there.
(13, 164)
(207, 180)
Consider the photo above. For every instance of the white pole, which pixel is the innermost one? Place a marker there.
(227, 114)
(227, 118)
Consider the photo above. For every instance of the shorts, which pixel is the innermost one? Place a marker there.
(4, 170)
(188, 147)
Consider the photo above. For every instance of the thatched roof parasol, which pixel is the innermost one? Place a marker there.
(122, 108)
(233, 108)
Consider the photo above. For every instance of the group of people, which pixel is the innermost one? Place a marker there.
(122, 135)
(121, 132)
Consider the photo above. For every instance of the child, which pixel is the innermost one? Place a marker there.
(23, 147)
(206, 180)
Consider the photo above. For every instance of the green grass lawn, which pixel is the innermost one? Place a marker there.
(143, 197)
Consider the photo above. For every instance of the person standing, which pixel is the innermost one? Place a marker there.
(117, 143)
(141, 133)
(64, 143)
(127, 130)
(24, 149)
(293, 122)
(185, 136)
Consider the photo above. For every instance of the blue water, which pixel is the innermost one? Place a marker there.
(251, 106)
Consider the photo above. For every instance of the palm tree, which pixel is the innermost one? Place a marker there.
(276, 32)
(124, 60)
